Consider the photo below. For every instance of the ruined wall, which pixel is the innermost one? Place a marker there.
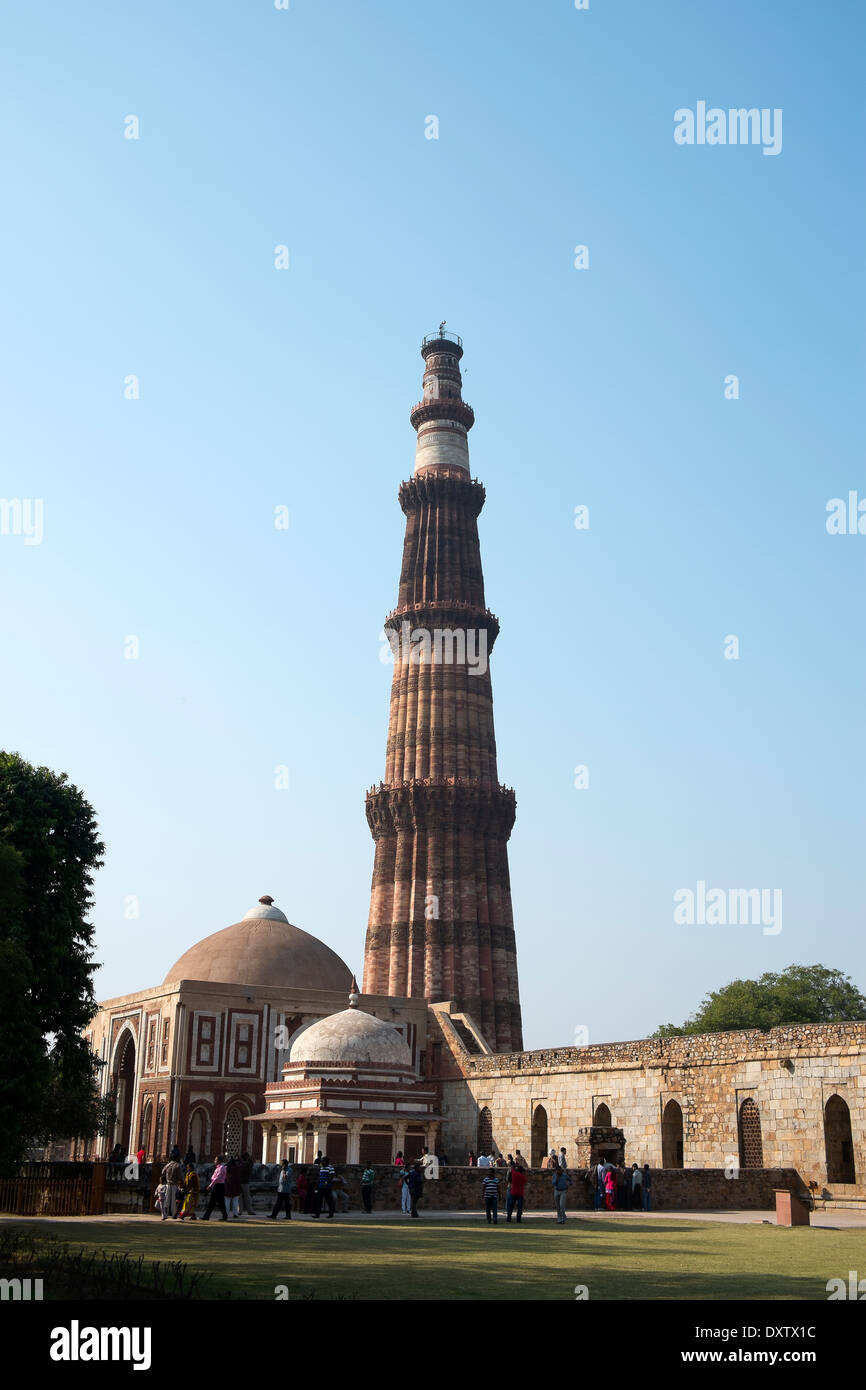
(789, 1072)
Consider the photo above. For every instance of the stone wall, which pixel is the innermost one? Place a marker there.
(459, 1189)
(789, 1072)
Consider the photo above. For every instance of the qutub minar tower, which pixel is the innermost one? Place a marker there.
(440, 923)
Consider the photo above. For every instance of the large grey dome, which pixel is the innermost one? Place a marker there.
(263, 949)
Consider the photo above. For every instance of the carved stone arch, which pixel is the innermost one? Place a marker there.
(145, 1132)
(122, 1075)
(159, 1139)
(200, 1130)
(235, 1137)
(751, 1144)
(484, 1139)
(539, 1136)
(672, 1135)
(838, 1141)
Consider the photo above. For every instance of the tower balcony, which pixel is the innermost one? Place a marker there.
(442, 342)
(442, 408)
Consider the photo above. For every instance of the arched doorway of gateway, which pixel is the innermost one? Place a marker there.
(838, 1141)
(539, 1136)
(199, 1134)
(672, 1135)
(484, 1139)
(601, 1119)
(146, 1132)
(123, 1084)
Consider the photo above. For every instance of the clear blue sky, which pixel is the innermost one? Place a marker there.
(604, 387)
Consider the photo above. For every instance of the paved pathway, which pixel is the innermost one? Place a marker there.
(839, 1219)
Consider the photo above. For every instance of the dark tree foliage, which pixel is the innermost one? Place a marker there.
(49, 850)
(800, 994)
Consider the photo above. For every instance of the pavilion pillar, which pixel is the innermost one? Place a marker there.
(399, 1137)
(353, 1150)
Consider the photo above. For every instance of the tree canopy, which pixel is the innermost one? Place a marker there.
(49, 850)
(800, 994)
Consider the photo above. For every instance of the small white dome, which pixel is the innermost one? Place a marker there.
(353, 1038)
(273, 914)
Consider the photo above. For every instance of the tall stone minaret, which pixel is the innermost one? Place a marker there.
(440, 912)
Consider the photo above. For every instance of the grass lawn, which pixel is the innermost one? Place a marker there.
(457, 1259)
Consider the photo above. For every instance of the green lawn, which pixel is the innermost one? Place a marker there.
(458, 1259)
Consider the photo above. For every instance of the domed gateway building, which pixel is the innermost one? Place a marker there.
(189, 1060)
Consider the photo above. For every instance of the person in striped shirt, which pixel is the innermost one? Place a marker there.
(490, 1188)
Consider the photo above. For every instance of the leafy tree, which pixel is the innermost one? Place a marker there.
(49, 850)
(800, 994)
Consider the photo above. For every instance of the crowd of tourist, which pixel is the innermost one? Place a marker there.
(318, 1187)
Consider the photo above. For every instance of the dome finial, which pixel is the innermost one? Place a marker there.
(267, 900)
(354, 994)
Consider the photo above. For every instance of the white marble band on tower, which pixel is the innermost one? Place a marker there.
(442, 418)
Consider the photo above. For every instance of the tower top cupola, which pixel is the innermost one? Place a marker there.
(442, 418)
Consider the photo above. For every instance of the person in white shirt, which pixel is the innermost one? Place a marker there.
(483, 1161)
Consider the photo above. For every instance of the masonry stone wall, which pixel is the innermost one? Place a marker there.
(459, 1189)
(789, 1072)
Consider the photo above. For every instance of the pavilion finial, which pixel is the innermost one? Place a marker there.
(354, 994)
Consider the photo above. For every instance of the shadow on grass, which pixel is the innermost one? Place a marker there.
(471, 1261)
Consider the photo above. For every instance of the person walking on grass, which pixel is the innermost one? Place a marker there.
(416, 1186)
(490, 1191)
(217, 1189)
(191, 1191)
(515, 1193)
(172, 1177)
(283, 1200)
(561, 1184)
(405, 1193)
(368, 1177)
(647, 1188)
(636, 1187)
(233, 1188)
(245, 1170)
(324, 1189)
(598, 1173)
(610, 1188)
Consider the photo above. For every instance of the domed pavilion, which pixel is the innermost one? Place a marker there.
(350, 1088)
